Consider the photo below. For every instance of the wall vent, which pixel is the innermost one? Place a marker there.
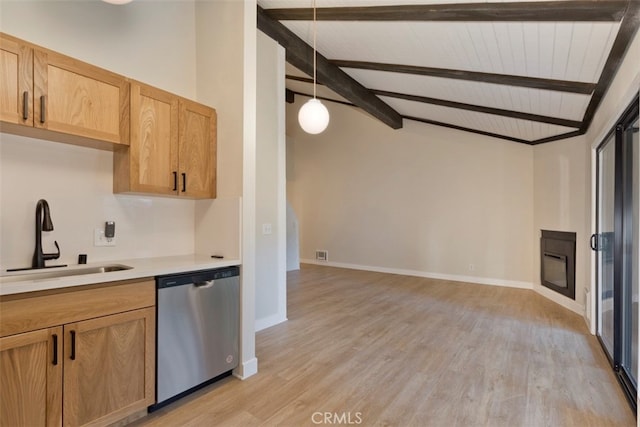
(322, 255)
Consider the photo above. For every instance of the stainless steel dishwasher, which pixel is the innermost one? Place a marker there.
(197, 330)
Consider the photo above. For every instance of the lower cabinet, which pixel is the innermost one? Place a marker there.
(31, 378)
(90, 372)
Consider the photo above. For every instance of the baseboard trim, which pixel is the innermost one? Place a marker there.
(560, 299)
(418, 273)
(270, 321)
(246, 369)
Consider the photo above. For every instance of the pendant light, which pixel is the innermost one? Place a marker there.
(313, 115)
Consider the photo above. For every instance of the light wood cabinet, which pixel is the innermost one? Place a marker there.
(150, 163)
(77, 357)
(16, 84)
(31, 378)
(106, 369)
(63, 99)
(197, 152)
(172, 149)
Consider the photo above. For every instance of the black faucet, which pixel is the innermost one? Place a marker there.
(43, 225)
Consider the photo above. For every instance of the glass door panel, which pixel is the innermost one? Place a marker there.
(605, 233)
(617, 243)
(631, 234)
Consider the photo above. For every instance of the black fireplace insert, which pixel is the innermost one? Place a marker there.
(558, 262)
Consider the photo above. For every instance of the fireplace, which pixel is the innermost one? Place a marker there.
(558, 262)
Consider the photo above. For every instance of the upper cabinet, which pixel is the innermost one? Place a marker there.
(56, 97)
(16, 84)
(76, 98)
(150, 163)
(163, 144)
(172, 149)
(197, 150)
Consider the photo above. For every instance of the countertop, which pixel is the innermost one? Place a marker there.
(142, 267)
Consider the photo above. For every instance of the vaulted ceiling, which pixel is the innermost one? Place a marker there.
(525, 71)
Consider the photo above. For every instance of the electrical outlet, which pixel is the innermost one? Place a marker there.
(99, 238)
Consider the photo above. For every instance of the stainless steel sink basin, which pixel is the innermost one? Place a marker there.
(62, 272)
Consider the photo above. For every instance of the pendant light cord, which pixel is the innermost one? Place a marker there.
(314, 49)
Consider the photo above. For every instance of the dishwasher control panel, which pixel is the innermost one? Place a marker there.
(196, 276)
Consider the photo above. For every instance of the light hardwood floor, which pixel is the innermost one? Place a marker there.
(391, 350)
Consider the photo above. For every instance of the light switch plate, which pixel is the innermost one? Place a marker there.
(99, 238)
(266, 228)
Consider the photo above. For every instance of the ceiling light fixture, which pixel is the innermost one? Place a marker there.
(313, 115)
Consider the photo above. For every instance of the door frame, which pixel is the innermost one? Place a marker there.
(629, 115)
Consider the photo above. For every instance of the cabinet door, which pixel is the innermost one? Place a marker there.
(76, 98)
(31, 378)
(109, 367)
(16, 81)
(197, 150)
(153, 149)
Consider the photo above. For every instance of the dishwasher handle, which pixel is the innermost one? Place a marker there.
(204, 284)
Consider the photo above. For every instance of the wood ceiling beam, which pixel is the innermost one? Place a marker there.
(300, 55)
(482, 109)
(558, 137)
(302, 79)
(501, 79)
(464, 106)
(628, 28)
(542, 11)
(323, 98)
(427, 121)
(465, 129)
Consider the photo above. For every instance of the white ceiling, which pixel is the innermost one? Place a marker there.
(562, 51)
(566, 51)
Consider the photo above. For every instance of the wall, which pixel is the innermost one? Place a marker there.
(422, 200)
(271, 286)
(226, 70)
(565, 185)
(77, 181)
(562, 202)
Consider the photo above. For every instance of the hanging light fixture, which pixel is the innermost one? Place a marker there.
(313, 115)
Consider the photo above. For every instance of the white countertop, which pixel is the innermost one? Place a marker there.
(142, 267)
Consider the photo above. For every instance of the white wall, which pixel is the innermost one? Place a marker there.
(77, 181)
(153, 42)
(271, 286)
(562, 203)
(423, 200)
(226, 70)
(220, 83)
(565, 179)
(293, 237)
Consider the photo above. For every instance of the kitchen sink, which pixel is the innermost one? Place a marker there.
(63, 272)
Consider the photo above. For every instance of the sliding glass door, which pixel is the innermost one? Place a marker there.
(616, 243)
(604, 241)
(631, 191)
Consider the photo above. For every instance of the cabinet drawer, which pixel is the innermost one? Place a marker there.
(39, 310)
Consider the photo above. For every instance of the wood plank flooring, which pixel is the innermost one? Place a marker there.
(377, 349)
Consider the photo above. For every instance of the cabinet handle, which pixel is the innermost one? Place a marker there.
(184, 182)
(73, 345)
(175, 181)
(55, 349)
(43, 111)
(25, 105)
